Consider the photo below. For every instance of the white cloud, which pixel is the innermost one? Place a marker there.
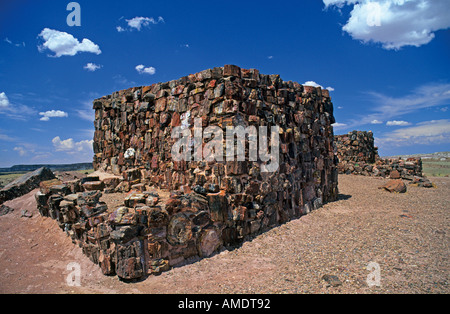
(376, 122)
(22, 44)
(270, 57)
(22, 152)
(64, 44)
(7, 138)
(339, 126)
(53, 114)
(72, 147)
(92, 67)
(395, 23)
(424, 133)
(65, 145)
(397, 123)
(4, 101)
(387, 108)
(84, 146)
(138, 22)
(86, 112)
(16, 111)
(314, 84)
(143, 70)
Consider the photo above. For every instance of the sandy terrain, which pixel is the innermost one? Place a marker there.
(406, 234)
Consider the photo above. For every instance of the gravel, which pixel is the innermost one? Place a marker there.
(332, 250)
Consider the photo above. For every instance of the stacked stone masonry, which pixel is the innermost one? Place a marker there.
(211, 204)
(358, 154)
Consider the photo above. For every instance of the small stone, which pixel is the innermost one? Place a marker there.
(25, 213)
(332, 281)
(4, 210)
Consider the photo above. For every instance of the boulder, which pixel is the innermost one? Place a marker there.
(397, 186)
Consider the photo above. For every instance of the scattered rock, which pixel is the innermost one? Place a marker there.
(332, 281)
(4, 210)
(395, 175)
(397, 186)
(421, 182)
(26, 214)
(94, 186)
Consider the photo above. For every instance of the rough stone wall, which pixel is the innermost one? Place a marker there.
(358, 154)
(356, 146)
(140, 121)
(212, 204)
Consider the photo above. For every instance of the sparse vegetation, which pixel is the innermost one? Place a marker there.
(436, 167)
(6, 178)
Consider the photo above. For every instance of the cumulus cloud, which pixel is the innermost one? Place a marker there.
(424, 133)
(4, 101)
(376, 122)
(395, 23)
(143, 70)
(92, 67)
(65, 145)
(314, 84)
(64, 44)
(70, 146)
(397, 123)
(138, 22)
(53, 114)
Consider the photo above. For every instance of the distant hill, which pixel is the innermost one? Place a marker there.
(67, 167)
(439, 155)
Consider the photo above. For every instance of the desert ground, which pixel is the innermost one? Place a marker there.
(407, 235)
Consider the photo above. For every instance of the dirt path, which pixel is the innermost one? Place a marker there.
(407, 235)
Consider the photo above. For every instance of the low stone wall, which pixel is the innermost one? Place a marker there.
(149, 234)
(404, 168)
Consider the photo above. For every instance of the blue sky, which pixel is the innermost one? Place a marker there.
(386, 63)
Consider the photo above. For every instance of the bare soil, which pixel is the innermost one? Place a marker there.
(406, 234)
